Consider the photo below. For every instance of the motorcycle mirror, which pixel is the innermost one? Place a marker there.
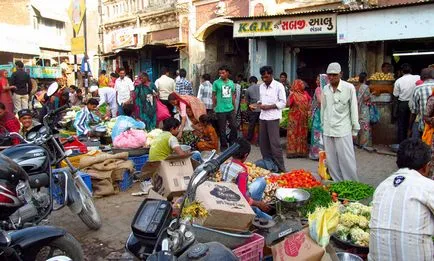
(52, 89)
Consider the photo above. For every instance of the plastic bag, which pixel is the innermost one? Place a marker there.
(322, 166)
(130, 139)
(323, 223)
(162, 112)
(374, 114)
(428, 131)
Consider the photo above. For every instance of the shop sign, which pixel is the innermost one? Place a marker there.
(77, 45)
(77, 10)
(305, 25)
(123, 38)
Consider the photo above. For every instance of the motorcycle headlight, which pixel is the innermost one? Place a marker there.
(32, 135)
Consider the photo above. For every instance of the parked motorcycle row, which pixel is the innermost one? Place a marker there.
(26, 182)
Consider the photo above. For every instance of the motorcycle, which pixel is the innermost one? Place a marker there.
(26, 180)
(39, 243)
(155, 237)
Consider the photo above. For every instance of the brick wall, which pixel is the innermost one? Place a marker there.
(14, 12)
(204, 13)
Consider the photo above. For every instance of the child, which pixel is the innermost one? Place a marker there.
(86, 116)
(235, 171)
(73, 98)
(208, 136)
(166, 143)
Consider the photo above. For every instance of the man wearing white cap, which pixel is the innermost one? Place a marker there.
(340, 122)
(107, 96)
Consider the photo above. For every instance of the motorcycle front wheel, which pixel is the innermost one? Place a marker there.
(66, 246)
(89, 214)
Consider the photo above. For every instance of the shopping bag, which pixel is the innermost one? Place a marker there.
(130, 139)
(374, 114)
(322, 166)
(323, 223)
(162, 111)
(428, 131)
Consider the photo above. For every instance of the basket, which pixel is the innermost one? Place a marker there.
(252, 250)
(57, 192)
(126, 182)
(139, 161)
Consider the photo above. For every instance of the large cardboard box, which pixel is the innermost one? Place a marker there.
(171, 176)
(227, 208)
(300, 246)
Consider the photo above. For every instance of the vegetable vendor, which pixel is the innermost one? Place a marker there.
(86, 116)
(106, 96)
(402, 218)
(126, 121)
(166, 143)
(236, 171)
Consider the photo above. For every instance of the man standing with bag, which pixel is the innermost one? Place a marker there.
(340, 122)
(22, 86)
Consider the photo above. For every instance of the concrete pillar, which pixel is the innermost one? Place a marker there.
(287, 59)
(257, 55)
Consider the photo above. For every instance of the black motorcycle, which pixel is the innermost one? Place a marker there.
(39, 243)
(26, 180)
(157, 237)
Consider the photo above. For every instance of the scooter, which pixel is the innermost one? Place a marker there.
(26, 180)
(39, 243)
(157, 237)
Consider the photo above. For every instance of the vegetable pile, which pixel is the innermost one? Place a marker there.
(352, 190)
(319, 197)
(255, 171)
(284, 120)
(354, 224)
(152, 135)
(294, 179)
(194, 210)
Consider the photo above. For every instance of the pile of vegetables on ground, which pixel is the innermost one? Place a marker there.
(253, 170)
(351, 190)
(354, 224)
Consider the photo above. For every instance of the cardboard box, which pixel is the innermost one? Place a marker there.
(227, 208)
(170, 177)
(300, 246)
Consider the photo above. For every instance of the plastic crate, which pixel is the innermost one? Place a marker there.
(252, 250)
(58, 195)
(127, 181)
(139, 161)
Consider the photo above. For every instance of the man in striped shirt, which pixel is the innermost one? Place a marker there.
(84, 117)
(402, 218)
(419, 100)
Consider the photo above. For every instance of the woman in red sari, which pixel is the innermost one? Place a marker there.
(5, 92)
(299, 103)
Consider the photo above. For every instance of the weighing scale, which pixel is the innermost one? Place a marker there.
(287, 219)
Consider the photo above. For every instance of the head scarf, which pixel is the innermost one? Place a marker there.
(299, 95)
(298, 86)
(196, 105)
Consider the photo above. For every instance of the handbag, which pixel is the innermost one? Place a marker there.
(374, 114)
(162, 111)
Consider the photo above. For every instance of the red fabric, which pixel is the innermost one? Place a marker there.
(11, 123)
(5, 95)
(242, 180)
(298, 117)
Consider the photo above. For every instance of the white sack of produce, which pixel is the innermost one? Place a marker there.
(151, 136)
(130, 139)
(227, 208)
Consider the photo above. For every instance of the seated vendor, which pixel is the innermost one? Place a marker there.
(235, 171)
(27, 121)
(208, 136)
(402, 217)
(85, 116)
(8, 123)
(126, 121)
(166, 143)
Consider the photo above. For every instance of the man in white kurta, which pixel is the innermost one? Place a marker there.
(340, 122)
(402, 218)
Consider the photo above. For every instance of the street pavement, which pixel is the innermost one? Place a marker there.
(117, 211)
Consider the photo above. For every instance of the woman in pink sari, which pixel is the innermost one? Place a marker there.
(5, 92)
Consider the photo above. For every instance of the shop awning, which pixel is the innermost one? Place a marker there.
(48, 11)
(16, 39)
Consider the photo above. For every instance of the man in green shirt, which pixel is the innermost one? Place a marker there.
(223, 96)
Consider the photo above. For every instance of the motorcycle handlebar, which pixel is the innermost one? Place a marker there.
(62, 108)
(227, 153)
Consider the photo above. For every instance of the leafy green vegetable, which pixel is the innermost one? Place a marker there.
(284, 120)
(319, 197)
(289, 199)
(352, 190)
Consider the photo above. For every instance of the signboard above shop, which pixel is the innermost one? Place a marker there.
(286, 25)
(124, 37)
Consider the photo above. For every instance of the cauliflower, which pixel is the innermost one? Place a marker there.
(355, 208)
(359, 237)
(348, 219)
(342, 232)
(363, 222)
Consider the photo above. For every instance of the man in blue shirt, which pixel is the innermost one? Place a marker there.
(85, 116)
